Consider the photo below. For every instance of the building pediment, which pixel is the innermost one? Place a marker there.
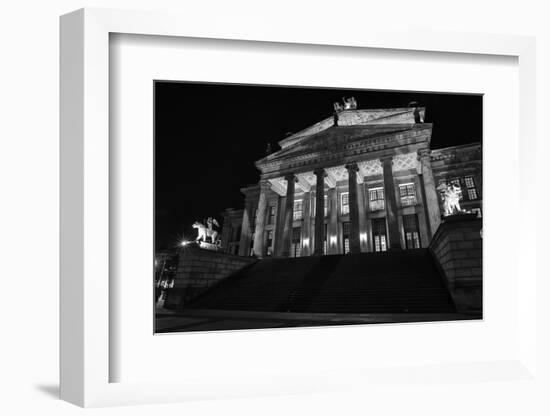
(335, 137)
(341, 142)
(357, 117)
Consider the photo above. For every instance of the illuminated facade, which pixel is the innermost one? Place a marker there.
(361, 181)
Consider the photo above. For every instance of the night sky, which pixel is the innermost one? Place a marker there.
(207, 137)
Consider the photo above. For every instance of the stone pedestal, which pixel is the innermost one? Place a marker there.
(457, 248)
(198, 270)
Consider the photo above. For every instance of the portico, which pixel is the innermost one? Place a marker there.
(341, 193)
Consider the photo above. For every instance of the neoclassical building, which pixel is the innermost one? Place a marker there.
(361, 181)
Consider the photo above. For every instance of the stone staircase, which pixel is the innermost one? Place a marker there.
(390, 282)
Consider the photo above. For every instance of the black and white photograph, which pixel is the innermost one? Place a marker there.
(283, 206)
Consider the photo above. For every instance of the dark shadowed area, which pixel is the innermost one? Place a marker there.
(207, 137)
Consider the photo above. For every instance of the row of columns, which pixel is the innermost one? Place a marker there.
(356, 208)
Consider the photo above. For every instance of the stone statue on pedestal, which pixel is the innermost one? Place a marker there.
(349, 103)
(207, 230)
(450, 194)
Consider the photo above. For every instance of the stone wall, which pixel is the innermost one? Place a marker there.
(198, 270)
(457, 248)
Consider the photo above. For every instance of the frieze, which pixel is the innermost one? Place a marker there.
(405, 162)
(370, 167)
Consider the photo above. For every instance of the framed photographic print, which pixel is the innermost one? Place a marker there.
(353, 215)
(238, 209)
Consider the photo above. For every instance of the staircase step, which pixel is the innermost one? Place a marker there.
(356, 283)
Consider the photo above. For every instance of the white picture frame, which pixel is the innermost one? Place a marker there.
(85, 206)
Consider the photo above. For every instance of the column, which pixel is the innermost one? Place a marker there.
(289, 214)
(306, 230)
(319, 211)
(391, 204)
(363, 234)
(259, 238)
(354, 240)
(332, 234)
(368, 223)
(244, 242)
(279, 225)
(431, 200)
(422, 212)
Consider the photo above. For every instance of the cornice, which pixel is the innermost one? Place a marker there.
(449, 153)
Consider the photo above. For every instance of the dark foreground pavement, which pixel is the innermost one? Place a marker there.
(221, 320)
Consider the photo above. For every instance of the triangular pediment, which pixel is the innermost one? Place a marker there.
(334, 138)
(364, 117)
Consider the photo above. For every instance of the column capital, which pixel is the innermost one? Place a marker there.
(386, 159)
(352, 167)
(289, 177)
(320, 172)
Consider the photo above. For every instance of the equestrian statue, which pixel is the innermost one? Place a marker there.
(207, 230)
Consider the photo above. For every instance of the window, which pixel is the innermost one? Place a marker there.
(271, 215)
(298, 210)
(296, 246)
(376, 199)
(407, 193)
(344, 203)
(346, 234)
(270, 243)
(379, 234)
(471, 187)
(410, 226)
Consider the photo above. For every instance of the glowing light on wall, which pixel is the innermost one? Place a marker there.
(363, 237)
(333, 240)
(306, 242)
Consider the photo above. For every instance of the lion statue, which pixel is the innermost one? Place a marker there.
(451, 195)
